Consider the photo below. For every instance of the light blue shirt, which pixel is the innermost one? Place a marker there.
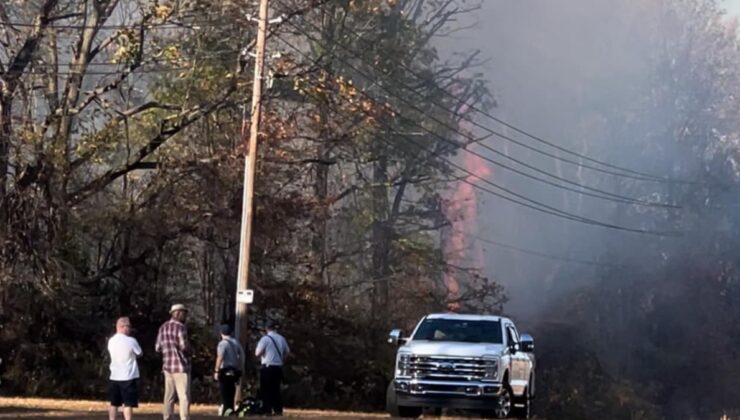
(272, 351)
(231, 352)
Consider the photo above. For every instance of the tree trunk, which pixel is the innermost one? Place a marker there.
(5, 132)
(6, 101)
(381, 238)
(318, 242)
(321, 185)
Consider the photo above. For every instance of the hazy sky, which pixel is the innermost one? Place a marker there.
(577, 79)
(733, 6)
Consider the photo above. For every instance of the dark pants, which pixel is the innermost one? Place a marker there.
(227, 380)
(271, 377)
(124, 393)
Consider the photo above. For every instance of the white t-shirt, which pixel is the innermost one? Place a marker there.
(123, 352)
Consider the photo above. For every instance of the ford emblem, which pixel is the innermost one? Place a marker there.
(446, 367)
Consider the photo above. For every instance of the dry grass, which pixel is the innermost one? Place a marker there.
(38, 408)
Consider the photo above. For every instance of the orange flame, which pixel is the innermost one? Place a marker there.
(462, 211)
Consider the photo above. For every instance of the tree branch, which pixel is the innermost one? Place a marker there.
(184, 119)
(21, 59)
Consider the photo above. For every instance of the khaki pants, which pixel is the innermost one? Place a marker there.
(179, 382)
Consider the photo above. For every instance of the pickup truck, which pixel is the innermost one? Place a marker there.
(467, 362)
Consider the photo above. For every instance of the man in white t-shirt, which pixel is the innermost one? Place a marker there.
(124, 371)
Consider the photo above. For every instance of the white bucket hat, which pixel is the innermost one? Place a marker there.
(178, 307)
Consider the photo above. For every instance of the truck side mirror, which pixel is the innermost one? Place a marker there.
(395, 337)
(527, 343)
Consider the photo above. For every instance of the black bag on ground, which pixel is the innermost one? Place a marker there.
(249, 406)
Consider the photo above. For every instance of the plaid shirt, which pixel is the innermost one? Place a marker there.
(172, 342)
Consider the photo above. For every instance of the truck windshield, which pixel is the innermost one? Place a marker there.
(459, 330)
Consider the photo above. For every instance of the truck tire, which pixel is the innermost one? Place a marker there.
(391, 405)
(522, 406)
(502, 410)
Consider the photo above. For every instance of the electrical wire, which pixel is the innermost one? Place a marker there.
(541, 207)
(360, 243)
(36, 69)
(196, 56)
(549, 256)
(628, 173)
(596, 193)
(521, 199)
(110, 73)
(157, 26)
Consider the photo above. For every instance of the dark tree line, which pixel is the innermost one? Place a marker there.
(121, 137)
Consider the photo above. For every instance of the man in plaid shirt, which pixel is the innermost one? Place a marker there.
(172, 343)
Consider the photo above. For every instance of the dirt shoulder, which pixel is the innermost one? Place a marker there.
(42, 408)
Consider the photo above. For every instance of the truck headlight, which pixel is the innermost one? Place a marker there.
(491, 368)
(402, 365)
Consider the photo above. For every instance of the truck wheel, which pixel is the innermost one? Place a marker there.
(391, 404)
(503, 405)
(522, 407)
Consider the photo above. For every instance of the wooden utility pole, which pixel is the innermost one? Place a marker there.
(250, 164)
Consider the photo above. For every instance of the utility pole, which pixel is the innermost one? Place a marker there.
(250, 164)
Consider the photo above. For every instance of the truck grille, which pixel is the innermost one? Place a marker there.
(447, 368)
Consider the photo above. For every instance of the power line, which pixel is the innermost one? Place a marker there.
(597, 193)
(195, 24)
(506, 124)
(527, 202)
(394, 276)
(212, 53)
(390, 92)
(109, 73)
(628, 172)
(194, 57)
(39, 69)
(510, 247)
(552, 209)
(535, 205)
(157, 26)
(92, 64)
(557, 211)
(615, 197)
(549, 256)
(600, 194)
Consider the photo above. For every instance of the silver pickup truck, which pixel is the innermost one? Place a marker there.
(468, 362)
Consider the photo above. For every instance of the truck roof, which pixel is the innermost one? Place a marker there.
(466, 317)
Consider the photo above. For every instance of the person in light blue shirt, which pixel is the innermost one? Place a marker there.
(272, 349)
(229, 368)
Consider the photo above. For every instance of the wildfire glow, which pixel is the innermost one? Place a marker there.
(462, 211)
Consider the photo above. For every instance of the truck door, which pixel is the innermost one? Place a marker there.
(519, 374)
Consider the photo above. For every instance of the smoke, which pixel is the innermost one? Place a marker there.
(559, 71)
(650, 86)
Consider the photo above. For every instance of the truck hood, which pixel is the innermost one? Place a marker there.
(451, 348)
